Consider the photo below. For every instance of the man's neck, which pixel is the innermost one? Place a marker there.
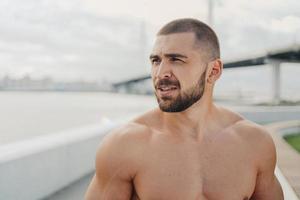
(193, 121)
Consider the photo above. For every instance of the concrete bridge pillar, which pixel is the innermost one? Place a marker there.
(276, 80)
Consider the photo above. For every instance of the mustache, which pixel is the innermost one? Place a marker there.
(167, 82)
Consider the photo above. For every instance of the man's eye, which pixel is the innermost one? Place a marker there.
(175, 59)
(155, 61)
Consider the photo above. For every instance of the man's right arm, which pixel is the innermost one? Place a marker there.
(114, 168)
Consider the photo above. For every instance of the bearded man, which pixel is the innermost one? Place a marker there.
(188, 148)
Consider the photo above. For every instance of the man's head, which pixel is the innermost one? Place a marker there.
(185, 57)
(206, 39)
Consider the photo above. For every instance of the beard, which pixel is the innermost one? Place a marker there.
(184, 99)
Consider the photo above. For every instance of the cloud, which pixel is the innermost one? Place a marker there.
(50, 38)
(287, 24)
(249, 28)
(72, 38)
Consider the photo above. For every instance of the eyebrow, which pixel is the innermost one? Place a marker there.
(169, 55)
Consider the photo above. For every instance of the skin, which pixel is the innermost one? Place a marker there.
(204, 152)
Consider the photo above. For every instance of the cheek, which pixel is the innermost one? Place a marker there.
(153, 76)
(188, 82)
(153, 72)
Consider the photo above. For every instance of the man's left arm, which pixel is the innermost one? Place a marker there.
(267, 186)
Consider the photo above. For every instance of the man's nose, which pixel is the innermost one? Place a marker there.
(163, 71)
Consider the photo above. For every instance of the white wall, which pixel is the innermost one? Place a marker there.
(38, 167)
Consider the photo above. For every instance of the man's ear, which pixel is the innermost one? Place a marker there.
(215, 70)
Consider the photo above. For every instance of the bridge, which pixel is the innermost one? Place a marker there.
(273, 58)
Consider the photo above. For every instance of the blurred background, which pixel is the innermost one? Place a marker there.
(69, 65)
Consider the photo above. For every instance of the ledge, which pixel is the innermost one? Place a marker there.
(288, 159)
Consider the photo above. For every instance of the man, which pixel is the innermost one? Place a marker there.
(188, 148)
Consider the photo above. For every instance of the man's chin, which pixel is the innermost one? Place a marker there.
(164, 109)
(167, 107)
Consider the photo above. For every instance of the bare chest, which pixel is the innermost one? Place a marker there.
(189, 172)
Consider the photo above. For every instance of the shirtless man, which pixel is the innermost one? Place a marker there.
(188, 148)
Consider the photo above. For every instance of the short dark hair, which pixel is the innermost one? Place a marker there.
(204, 34)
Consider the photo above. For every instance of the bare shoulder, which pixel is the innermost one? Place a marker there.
(252, 132)
(259, 141)
(125, 138)
(121, 150)
(128, 139)
(246, 131)
(261, 148)
(127, 133)
(117, 161)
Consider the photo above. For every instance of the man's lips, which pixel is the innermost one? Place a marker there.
(166, 90)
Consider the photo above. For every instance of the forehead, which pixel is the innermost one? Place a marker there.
(175, 43)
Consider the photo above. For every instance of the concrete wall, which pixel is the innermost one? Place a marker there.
(38, 167)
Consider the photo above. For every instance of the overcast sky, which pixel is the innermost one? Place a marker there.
(240, 24)
(97, 39)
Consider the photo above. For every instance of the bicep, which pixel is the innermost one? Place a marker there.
(267, 185)
(267, 190)
(115, 189)
(94, 191)
(113, 177)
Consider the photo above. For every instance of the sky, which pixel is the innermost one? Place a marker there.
(242, 25)
(110, 40)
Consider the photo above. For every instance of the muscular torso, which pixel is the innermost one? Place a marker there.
(220, 166)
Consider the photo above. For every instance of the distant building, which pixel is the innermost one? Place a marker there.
(48, 84)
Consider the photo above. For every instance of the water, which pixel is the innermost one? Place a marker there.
(29, 114)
